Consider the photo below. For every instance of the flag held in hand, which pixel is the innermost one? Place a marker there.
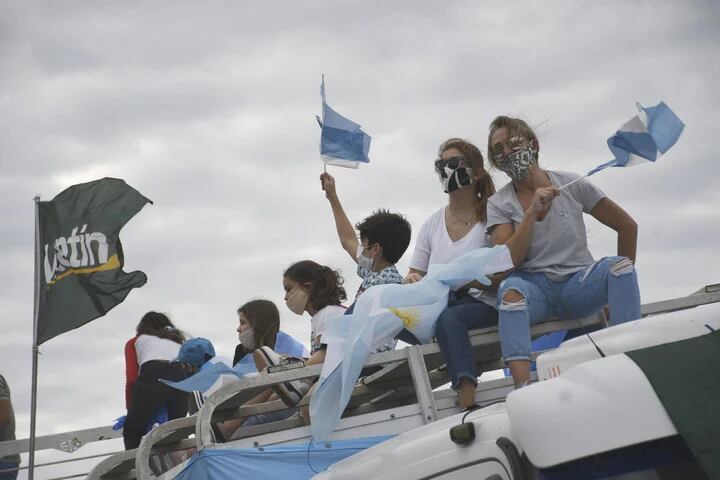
(342, 142)
(645, 137)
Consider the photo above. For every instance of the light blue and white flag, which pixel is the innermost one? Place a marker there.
(217, 371)
(643, 138)
(380, 313)
(214, 374)
(342, 142)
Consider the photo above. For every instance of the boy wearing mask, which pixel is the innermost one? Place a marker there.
(384, 237)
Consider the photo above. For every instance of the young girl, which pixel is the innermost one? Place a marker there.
(259, 326)
(317, 290)
(147, 358)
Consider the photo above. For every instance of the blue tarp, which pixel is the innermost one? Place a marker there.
(281, 462)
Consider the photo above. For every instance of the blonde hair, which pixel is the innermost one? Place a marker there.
(515, 127)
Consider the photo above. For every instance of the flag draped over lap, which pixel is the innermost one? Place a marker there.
(645, 137)
(342, 142)
(81, 258)
(380, 313)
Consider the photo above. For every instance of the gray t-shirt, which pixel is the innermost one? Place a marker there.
(559, 243)
(7, 432)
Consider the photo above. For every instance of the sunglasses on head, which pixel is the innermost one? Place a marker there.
(497, 151)
(452, 163)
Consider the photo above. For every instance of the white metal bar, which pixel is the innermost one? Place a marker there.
(423, 390)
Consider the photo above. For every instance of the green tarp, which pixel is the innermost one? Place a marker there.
(686, 378)
(81, 257)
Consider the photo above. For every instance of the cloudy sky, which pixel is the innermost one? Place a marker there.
(207, 109)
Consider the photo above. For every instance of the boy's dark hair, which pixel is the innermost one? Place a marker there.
(388, 229)
(159, 325)
(325, 283)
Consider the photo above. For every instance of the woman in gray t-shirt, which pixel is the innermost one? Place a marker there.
(555, 274)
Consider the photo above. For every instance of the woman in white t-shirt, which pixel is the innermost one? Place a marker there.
(453, 230)
(148, 358)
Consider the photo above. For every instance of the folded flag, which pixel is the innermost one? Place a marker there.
(643, 138)
(380, 313)
(342, 142)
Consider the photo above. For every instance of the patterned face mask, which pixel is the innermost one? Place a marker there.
(364, 261)
(517, 164)
(247, 338)
(452, 174)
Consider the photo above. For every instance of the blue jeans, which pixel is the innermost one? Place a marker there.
(611, 281)
(268, 417)
(6, 475)
(462, 315)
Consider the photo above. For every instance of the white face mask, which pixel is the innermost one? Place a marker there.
(363, 261)
(297, 301)
(247, 338)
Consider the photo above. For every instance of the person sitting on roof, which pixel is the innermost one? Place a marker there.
(317, 290)
(555, 274)
(455, 229)
(258, 327)
(384, 238)
(148, 358)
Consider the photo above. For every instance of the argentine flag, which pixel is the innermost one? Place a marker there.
(645, 137)
(342, 142)
(380, 313)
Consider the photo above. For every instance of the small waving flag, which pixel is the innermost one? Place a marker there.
(645, 137)
(342, 142)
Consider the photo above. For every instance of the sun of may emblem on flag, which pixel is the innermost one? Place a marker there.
(409, 316)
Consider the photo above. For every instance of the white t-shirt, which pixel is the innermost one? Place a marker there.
(433, 245)
(150, 347)
(319, 323)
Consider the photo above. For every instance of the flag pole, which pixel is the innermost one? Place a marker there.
(570, 183)
(36, 309)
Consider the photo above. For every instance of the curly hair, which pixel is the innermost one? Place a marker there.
(484, 186)
(325, 283)
(159, 325)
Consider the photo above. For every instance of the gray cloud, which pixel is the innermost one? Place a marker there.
(207, 109)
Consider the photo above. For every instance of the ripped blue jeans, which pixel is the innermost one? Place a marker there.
(611, 281)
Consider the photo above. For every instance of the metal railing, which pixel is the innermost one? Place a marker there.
(69, 442)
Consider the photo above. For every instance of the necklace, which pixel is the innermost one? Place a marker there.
(468, 223)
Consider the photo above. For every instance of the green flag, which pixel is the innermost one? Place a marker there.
(81, 258)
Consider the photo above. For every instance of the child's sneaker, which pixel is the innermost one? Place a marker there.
(290, 392)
